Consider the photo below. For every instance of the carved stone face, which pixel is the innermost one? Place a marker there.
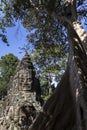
(25, 80)
(27, 85)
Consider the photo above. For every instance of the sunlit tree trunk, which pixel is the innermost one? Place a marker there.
(78, 70)
(78, 75)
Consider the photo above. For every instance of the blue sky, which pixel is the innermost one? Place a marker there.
(16, 38)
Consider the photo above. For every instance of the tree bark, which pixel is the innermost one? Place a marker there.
(78, 75)
(59, 111)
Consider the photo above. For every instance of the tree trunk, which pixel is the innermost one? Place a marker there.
(59, 111)
(78, 73)
(67, 107)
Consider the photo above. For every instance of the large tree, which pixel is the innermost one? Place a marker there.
(67, 107)
(8, 64)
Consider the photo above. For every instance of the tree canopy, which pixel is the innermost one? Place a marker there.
(49, 19)
(8, 64)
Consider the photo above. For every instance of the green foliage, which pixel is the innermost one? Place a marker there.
(8, 65)
(49, 60)
(4, 39)
(50, 38)
(34, 14)
(44, 85)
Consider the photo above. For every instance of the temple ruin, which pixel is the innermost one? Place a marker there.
(23, 101)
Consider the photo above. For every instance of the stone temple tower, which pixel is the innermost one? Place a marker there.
(25, 74)
(22, 103)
